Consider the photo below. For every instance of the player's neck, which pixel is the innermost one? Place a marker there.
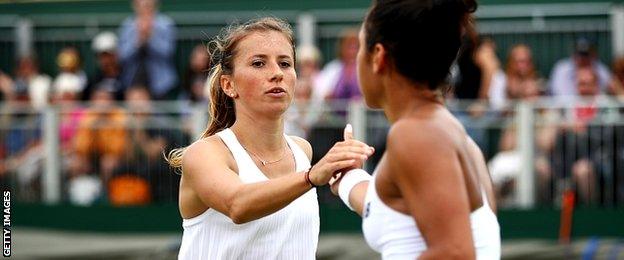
(258, 134)
(403, 98)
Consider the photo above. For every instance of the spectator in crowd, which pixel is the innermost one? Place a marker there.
(335, 86)
(150, 134)
(580, 147)
(520, 70)
(104, 45)
(66, 95)
(194, 81)
(519, 80)
(7, 87)
(68, 62)
(102, 137)
(300, 116)
(195, 93)
(308, 61)
(616, 87)
(30, 84)
(505, 166)
(466, 74)
(477, 69)
(564, 74)
(521, 83)
(83, 187)
(489, 65)
(146, 49)
(21, 155)
(338, 79)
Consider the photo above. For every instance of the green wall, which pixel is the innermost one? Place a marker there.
(207, 5)
(536, 223)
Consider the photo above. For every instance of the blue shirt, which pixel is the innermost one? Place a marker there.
(160, 49)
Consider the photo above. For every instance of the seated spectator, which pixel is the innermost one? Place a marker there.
(7, 87)
(467, 72)
(337, 82)
(476, 70)
(580, 148)
(151, 133)
(146, 49)
(30, 84)
(104, 45)
(301, 116)
(102, 137)
(505, 166)
(564, 74)
(196, 75)
(518, 81)
(68, 62)
(335, 86)
(67, 95)
(21, 151)
(616, 87)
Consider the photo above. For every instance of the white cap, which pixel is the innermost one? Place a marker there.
(308, 52)
(67, 82)
(104, 42)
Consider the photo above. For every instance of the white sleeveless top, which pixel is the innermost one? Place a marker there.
(290, 233)
(396, 236)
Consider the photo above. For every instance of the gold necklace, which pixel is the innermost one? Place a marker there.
(264, 162)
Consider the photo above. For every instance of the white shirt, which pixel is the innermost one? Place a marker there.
(290, 233)
(396, 236)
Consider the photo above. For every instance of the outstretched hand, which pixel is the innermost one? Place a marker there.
(335, 180)
(344, 155)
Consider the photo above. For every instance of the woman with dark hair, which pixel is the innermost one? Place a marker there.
(247, 189)
(196, 75)
(430, 196)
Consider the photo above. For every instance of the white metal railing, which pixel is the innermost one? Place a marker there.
(194, 118)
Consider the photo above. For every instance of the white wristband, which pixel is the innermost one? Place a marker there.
(349, 180)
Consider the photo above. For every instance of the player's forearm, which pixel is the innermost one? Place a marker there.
(356, 197)
(256, 200)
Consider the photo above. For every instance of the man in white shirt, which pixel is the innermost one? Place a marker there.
(563, 77)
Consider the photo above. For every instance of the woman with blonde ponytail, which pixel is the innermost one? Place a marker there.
(247, 190)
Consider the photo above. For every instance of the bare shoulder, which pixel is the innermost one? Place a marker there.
(207, 151)
(303, 144)
(473, 147)
(409, 136)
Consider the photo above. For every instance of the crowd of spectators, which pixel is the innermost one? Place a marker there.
(112, 134)
(577, 145)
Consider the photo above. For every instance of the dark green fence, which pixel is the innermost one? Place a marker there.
(549, 33)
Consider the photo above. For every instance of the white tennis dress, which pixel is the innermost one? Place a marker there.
(396, 236)
(290, 233)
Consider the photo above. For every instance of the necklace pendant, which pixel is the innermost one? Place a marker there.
(263, 163)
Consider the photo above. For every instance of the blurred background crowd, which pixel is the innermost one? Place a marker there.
(116, 101)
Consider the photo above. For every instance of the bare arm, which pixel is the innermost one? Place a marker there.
(484, 175)
(357, 193)
(208, 167)
(426, 170)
